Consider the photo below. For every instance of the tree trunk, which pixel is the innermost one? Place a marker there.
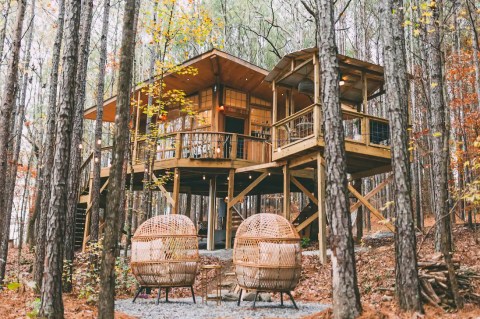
(51, 292)
(116, 178)
(346, 297)
(6, 110)
(3, 31)
(406, 272)
(76, 139)
(440, 153)
(44, 186)
(94, 228)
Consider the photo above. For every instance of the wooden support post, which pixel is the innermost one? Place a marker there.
(357, 184)
(259, 204)
(286, 192)
(178, 145)
(188, 206)
(274, 116)
(137, 123)
(316, 97)
(322, 215)
(365, 92)
(231, 185)
(233, 150)
(212, 213)
(176, 191)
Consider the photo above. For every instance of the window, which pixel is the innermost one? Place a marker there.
(203, 118)
(259, 102)
(261, 116)
(206, 99)
(235, 98)
(195, 101)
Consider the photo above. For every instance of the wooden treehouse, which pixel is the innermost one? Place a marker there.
(244, 140)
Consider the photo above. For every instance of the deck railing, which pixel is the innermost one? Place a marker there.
(206, 145)
(358, 128)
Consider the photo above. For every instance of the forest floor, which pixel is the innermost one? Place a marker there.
(375, 267)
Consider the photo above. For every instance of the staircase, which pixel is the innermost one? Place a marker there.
(80, 217)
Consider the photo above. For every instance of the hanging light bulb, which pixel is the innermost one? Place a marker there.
(228, 178)
(342, 82)
(249, 176)
(203, 177)
(218, 150)
(96, 159)
(80, 146)
(99, 142)
(269, 173)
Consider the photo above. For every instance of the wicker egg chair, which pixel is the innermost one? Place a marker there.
(165, 254)
(267, 255)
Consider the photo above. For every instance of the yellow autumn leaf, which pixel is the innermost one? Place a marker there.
(437, 134)
(434, 85)
(467, 163)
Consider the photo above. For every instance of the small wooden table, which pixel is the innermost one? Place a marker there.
(216, 280)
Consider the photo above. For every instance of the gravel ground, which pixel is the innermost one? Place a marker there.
(183, 308)
(221, 254)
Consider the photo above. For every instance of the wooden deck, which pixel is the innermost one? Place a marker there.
(367, 140)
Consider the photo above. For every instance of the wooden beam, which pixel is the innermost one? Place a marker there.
(286, 192)
(370, 194)
(307, 222)
(211, 213)
(260, 166)
(322, 214)
(163, 190)
(230, 194)
(371, 172)
(176, 191)
(304, 190)
(302, 160)
(296, 69)
(372, 209)
(242, 194)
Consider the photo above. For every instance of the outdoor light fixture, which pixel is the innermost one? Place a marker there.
(228, 178)
(218, 149)
(221, 108)
(96, 159)
(249, 176)
(203, 177)
(99, 142)
(342, 82)
(80, 146)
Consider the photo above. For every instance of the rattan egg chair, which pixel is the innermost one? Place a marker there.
(267, 255)
(165, 254)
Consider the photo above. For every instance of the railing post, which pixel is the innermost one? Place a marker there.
(274, 117)
(366, 120)
(178, 145)
(234, 143)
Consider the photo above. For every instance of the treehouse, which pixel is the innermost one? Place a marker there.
(239, 139)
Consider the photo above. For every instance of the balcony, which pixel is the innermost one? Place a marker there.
(366, 136)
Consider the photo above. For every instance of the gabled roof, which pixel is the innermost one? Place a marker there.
(351, 70)
(213, 66)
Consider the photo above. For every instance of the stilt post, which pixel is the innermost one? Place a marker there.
(212, 212)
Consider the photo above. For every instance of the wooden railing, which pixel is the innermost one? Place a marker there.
(206, 145)
(306, 124)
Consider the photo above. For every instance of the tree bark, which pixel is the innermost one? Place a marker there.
(440, 149)
(116, 178)
(76, 139)
(99, 125)
(6, 110)
(346, 297)
(44, 186)
(406, 273)
(3, 31)
(51, 292)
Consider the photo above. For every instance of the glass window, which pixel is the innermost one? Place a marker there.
(235, 98)
(203, 118)
(206, 99)
(261, 116)
(260, 102)
(195, 101)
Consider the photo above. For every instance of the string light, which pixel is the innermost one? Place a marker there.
(99, 142)
(203, 177)
(96, 159)
(269, 173)
(249, 176)
(218, 150)
(228, 178)
(342, 82)
(80, 146)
